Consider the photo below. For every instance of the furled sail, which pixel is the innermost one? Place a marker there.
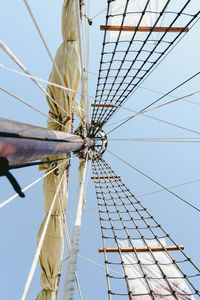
(65, 71)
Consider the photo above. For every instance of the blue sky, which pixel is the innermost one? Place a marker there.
(169, 163)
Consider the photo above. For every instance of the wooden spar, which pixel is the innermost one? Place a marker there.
(104, 177)
(21, 143)
(104, 105)
(142, 249)
(144, 28)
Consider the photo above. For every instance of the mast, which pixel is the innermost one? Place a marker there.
(122, 201)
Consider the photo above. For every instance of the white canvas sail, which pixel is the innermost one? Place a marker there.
(157, 282)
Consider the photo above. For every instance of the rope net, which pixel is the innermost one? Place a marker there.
(149, 269)
(130, 53)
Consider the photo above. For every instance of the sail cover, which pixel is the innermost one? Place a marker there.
(65, 71)
(156, 276)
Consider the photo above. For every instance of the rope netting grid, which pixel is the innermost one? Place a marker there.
(129, 65)
(123, 217)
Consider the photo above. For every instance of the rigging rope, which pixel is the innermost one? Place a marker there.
(155, 181)
(43, 40)
(31, 106)
(124, 219)
(154, 102)
(39, 247)
(165, 140)
(46, 81)
(159, 120)
(170, 187)
(30, 185)
(154, 192)
(112, 92)
(18, 62)
(173, 101)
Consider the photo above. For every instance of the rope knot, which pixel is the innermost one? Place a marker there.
(62, 119)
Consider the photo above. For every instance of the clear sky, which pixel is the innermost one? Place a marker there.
(169, 163)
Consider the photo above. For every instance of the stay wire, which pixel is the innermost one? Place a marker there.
(46, 81)
(154, 192)
(171, 187)
(43, 40)
(30, 106)
(159, 120)
(153, 180)
(154, 102)
(31, 184)
(173, 101)
(19, 63)
(158, 140)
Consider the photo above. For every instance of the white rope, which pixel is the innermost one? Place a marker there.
(18, 62)
(89, 209)
(161, 105)
(97, 264)
(45, 81)
(99, 13)
(29, 186)
(170, 187)
(35, 260)
(46, 47)
(32, 107)
(168, 140)
(43, 40)
(106, 9)
(162, 93)
(153, 118)
(172, 101)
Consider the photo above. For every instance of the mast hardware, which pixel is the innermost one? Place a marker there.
(144, 29)
(142, 249)
(4, 171)
(100, 141)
